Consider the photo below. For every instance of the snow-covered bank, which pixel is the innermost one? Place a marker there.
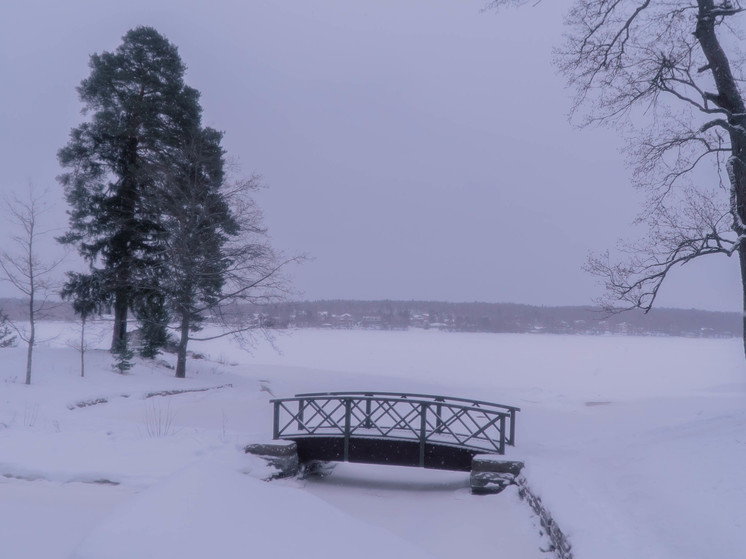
(636, 445)
(208, 510)
(421, 506)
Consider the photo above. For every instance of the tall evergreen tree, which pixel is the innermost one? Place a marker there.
(140, 114)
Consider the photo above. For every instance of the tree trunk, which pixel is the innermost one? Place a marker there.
(82, 347)
(181, 353)
(742, 255)
(738, 185)
(32, 335)
(729, 98)
(119, 336)
(29, 355)
(121, 245)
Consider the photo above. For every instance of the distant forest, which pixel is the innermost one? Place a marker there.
(469, 317)
(500, 317)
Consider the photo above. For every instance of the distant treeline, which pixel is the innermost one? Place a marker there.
(500, 317)
(469, 317)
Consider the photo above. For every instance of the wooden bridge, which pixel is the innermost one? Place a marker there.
(394, 428)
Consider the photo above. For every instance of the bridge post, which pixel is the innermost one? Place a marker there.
(348, 411)
(502, 433)
(368, 423)
(423, 432)
(438, 417)
(511, 442)
(276, 422)
(301, 410)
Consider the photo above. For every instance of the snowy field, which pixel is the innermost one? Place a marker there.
(636, 445)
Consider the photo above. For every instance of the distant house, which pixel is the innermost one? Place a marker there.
(345, 321)
(418, 320)
(371, 322)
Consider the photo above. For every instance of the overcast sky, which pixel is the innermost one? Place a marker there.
(416, 149)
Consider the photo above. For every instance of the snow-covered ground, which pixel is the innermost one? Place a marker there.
(636, 445)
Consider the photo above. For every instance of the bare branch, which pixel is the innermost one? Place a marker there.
(696, 227)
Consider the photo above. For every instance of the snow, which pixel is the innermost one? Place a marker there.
(209, 510)
(435, 510)
(635, 445)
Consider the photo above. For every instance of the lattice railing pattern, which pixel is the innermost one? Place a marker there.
(469, 424)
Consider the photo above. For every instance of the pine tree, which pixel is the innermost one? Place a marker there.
(123, 359)
(153, 316)
(7, 337)
(141, 112)
(88, 298)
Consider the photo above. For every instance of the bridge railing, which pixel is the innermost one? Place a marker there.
(511, 410)
(469, 424)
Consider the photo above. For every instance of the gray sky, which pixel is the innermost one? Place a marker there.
(416, 149)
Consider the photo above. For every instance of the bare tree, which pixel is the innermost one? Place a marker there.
(24, 269)
(218, 260)
(214, 255)
(669, 73)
